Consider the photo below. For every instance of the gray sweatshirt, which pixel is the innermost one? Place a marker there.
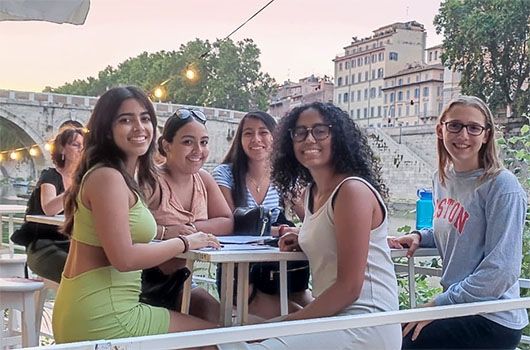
(478, 230)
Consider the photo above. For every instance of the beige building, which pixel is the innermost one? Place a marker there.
(361, 68)
(307, 90)
(414, 95)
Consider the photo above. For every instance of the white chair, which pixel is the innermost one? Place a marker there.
(12, 265)
(20, 294)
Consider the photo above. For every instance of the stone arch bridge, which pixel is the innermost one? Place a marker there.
(34, 118)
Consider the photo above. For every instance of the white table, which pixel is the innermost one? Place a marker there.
(44, 219)
(229, 259)
(10, 210)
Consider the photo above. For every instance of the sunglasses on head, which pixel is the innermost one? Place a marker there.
(184, 113)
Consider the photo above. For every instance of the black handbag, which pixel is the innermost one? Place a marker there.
(252, 221)
(159, 289)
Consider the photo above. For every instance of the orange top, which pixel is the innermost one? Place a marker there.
(167, 208)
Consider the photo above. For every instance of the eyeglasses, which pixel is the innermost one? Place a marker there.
(318, 131)
(184, 113)
(472, 129)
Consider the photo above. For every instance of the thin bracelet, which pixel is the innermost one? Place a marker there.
(186, 243)
(163, 234)
(192, 225)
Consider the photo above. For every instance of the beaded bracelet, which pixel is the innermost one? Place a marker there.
(186, 243)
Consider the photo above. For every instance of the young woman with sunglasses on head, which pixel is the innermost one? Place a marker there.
(344, 230)
(46, 247)
(244, 179)
(111, 230)
(186, 198)
(479, 217)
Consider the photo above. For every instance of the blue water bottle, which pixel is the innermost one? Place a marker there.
(424, 208)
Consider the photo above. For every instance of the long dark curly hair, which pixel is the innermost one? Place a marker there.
(100, 148)
(351, 154)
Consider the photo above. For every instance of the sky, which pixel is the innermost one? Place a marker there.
(297, 38)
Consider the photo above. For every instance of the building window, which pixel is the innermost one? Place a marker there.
(380, 73)
(365, 59)
(425, 91)
(399, 111)
(339, 81)
(351, 113)
(438, 90)
(340, 66)
(373, 74)
(345, 97)
(440, 106)
(372, 109)
(366, 94)
(353, 63)
(435, 55)
(381, 57)
(400, 95)
(408, 94)
(393, 56)
(391, 97)
(378, 111)
(358, 95)
(359, 77)
(372, 92)
(353, 78)
(347, 64)
(358, 113)
(400, 82)
(374, 58)
(430, 56)
(417, 92)
(346, 80)
(380, 92)
(366, 76)
(365, 112)
(385, 98)
(408, 80)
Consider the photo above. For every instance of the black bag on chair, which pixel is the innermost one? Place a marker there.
(255, 221)
(159, 289)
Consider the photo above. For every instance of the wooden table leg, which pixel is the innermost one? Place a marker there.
(284, 310)
(242, 293)
(186, 290)
(227, 294)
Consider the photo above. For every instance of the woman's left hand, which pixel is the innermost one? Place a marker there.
(289, 242)
(417, 326)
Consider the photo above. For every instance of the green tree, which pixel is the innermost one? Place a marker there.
(228, 75)
(488, 41)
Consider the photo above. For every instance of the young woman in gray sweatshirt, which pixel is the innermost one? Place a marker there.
(479, 216)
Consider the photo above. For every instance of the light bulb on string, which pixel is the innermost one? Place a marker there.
(33, 151)
(13, 155)
(48, 146)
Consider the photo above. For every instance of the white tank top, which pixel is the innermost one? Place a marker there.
(318, 241)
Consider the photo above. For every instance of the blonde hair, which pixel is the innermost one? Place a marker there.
(488, 155)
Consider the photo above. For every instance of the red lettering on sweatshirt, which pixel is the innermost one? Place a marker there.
(452, 211)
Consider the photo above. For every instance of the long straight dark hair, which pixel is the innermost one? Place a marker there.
(238, 159)
(100, 148)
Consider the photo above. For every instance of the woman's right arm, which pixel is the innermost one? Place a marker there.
(51, 202)
(107, 195)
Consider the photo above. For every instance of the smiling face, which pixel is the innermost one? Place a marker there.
(462, 147)
(312, 153)
(132, 129)
(256, 139)
(188, 150)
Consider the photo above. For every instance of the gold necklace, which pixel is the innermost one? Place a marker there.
(257, 185)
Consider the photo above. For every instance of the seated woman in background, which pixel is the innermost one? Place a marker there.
(186, 198)
(344, 230)
(46, 247)
(111, 230)
(244, 179)
(478, 227)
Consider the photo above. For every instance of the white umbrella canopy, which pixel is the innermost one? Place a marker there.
(56, 11)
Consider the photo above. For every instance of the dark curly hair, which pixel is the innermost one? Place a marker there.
(351, 154)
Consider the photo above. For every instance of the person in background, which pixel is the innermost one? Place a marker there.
(111, 230)
(186, 198)
(244, 178)
(344, 230)
(46, 247)
(479, 217)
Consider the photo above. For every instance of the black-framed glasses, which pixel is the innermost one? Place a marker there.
(472, 129)
(318, 131)
(184, 113)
